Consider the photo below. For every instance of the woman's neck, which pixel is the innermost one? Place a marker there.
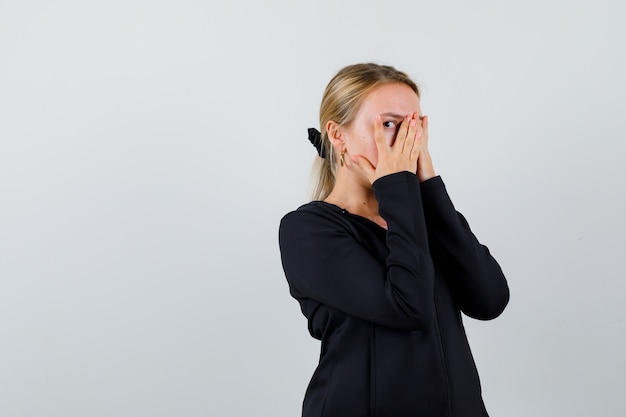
(355, 197)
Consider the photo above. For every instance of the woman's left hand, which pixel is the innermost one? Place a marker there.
(425, 170)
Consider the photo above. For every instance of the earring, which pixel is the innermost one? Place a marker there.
(341, 161)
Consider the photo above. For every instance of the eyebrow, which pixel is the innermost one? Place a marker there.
(394, 115)
(397, 116)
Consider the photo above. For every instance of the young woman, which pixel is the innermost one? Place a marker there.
(382, 264)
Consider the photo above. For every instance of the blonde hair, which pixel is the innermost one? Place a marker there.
(341, 101)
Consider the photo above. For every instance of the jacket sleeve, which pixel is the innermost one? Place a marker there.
(477, 281)
(326, 262)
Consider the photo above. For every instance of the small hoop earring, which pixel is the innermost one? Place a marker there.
(341, 160)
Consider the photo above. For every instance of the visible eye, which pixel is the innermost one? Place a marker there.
(390, 124)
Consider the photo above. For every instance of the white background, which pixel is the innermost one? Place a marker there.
(148, 150)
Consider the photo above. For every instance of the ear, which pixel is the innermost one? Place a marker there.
(335, 134)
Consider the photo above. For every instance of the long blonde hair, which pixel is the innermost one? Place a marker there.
(340, 102)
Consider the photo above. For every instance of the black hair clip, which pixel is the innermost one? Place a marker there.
(315, 137)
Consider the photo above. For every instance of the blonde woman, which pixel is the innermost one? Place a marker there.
(381, 262)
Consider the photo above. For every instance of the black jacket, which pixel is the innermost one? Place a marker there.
(386, 303)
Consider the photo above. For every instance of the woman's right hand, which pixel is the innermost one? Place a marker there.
(401, 155)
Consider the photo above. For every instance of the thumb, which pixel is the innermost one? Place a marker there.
(365, 165)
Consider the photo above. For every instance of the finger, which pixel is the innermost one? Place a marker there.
(379, 133)
(425, 129)
(411, 134)
(401, 134)
(365, 165)
(419, 128)
(415, 151)
(417, 147)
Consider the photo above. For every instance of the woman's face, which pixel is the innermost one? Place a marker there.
(392, 102)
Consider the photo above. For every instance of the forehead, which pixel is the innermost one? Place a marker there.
(390, 98)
